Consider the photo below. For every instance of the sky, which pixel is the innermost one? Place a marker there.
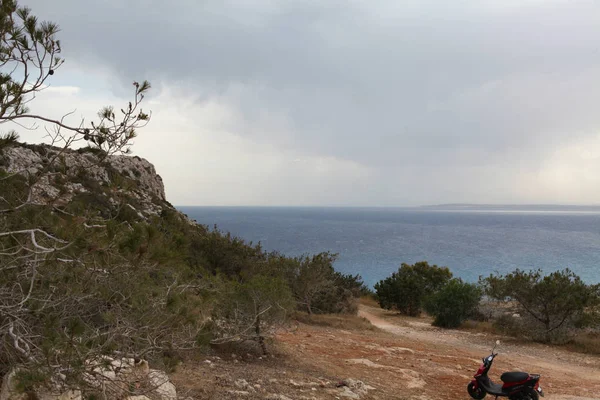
(345, 102)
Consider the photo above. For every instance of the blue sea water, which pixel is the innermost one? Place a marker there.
(374, 242)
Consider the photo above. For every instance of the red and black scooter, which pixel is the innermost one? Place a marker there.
(516, 385)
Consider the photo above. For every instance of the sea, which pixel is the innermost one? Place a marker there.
(374, 242)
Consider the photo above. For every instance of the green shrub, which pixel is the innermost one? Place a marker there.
(226, 254)
(68, 292)
(510, 326)
(92, 150)
(8, 139)
(27, 381)
(453, 304)
(406, 289)
(251, 310)
(317, 287)
(554, 302)
(340, 296)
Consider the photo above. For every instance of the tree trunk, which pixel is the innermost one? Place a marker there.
(259, 337)
(308, 308)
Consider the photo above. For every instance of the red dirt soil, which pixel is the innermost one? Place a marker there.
(403, 358)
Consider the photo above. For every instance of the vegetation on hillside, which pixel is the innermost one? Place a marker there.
(422, 286)
(94, 276)
(407, 289)
(454, 303)
(549, 308)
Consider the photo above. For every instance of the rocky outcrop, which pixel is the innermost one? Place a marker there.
(117, 377)
(161, 386)
(353, 388)
(10, 391)
(63, 174)
(113, 378)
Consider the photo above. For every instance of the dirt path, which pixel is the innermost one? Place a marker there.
(565, 375)
(394, 358)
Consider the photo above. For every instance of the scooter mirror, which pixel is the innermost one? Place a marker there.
(496, 345)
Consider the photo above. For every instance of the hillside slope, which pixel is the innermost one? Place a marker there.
(95, 261)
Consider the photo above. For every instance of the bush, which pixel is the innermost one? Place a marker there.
(316, 286)
(453, 304)
(554, 302)
(586, 342)
(92, 150)
(8, 139)
(406, 289)
(251, 310)
(104, 300)
(340, 296)
(311, 280)
(511, 326)
(226, 254)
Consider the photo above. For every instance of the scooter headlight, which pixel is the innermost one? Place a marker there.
(540, 391)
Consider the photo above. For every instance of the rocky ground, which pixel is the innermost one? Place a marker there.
(397, 358)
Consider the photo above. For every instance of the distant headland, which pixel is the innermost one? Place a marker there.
(512, 207)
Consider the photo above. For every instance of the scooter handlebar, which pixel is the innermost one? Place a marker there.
(489, 358)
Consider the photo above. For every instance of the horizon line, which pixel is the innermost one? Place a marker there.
(454, 205)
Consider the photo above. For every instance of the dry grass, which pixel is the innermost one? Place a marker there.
(587, 342)
(368, 301)
(339, 321)
(478, 327)
(582, 342)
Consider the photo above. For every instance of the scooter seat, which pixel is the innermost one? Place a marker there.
(510, 377)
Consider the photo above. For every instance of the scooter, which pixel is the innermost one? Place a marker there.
(515, 385)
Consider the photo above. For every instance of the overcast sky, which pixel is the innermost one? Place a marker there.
(346, 102)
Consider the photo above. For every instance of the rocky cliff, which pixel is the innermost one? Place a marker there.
(97, 245)
(60, 175)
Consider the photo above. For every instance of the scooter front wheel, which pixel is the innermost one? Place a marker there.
(476, 393)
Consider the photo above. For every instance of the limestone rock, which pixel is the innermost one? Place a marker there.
(346, 392)
(358, 387)
(162, 385)
(353, 388)
(116, 376)
(244, 385)
(9, 391)
(238, 393)
(71, 172)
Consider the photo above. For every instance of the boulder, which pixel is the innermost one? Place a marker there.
(346, 392)
(353, 388)
(161, 385)
(9, 388)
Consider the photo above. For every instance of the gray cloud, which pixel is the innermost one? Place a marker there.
(391, 86)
